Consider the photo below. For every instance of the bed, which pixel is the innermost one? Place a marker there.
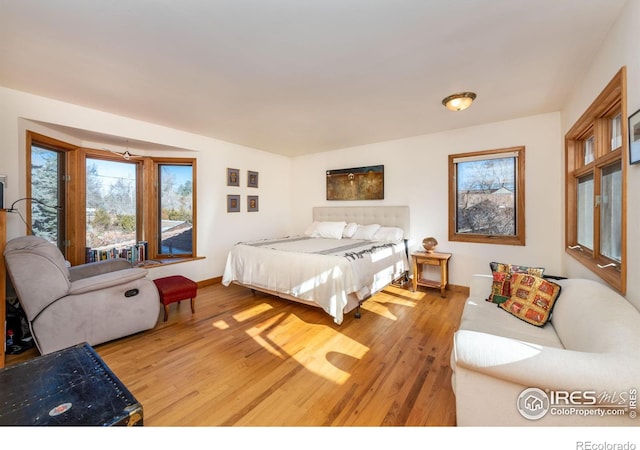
(346, 255)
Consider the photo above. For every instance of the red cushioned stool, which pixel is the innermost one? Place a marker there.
(175, 289)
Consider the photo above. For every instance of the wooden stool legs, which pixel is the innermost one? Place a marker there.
(166, 309)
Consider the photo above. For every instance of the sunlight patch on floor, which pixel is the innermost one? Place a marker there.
(379, 309)
(251, 312)
(331, 356)
(265, 342)
(390, 299)
(220, 325)
(323, 359)
(267, 346)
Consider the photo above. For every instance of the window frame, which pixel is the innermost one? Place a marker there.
(596, 121)
(68, 151)
(86, 153)
(519, 200)
(147, 196)
(154, 221)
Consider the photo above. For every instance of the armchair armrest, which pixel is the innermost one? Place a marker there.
(533, 365)
(106, 280)
(96, 268)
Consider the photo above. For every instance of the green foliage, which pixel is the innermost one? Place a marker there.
(125, 222)
(177, 214)
(101, 219)
(44, 187)
(185, 189)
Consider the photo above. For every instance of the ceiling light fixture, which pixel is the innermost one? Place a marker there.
(460, 101)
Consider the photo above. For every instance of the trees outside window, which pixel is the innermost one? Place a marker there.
(111, 208)
(108, 206)
(486, 196)
(176, 209)
(47, 194)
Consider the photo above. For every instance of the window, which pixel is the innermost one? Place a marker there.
(596, 149)
(175, 218)
(486, 197)
(585, 211)
(111, 210)
(107, 206)
(588, 150)
(47, 192)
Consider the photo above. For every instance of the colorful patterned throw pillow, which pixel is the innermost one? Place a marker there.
(532, 298)
(515, 268)
(500, 289)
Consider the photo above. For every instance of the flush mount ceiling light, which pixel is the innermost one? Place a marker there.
(460, 101)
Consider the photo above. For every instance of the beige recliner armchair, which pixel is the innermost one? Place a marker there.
(93, 303)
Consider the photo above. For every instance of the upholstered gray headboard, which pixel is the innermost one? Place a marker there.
(387, 216)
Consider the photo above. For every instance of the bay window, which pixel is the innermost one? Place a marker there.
(97, 205)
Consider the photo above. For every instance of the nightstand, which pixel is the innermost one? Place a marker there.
(421, 258)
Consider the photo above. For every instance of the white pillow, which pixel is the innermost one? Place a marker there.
(332, 230)
(366, 231)
(349, 230)
(389, 234)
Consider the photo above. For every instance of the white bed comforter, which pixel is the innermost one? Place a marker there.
(319, 270)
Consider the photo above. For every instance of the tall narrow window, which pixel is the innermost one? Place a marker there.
(616, 132)
(46, 189)
(176, 209)
(611, 212)
(585, 211)
(596, 187)
(486, 196)
(111, 209)
(47, 193)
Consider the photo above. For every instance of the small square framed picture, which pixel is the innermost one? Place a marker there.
(252, 179)
(233, 203)
(233, 177)
(252, 203)
(634, 138)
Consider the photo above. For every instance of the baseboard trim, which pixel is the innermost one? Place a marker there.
(209, 282)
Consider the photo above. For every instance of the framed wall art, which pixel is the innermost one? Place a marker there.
(252, 203)
(233, 203)
(233, 177)
(252, 179)
(359, 183)
(634, 138)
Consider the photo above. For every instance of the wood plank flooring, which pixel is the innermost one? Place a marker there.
(257, 360)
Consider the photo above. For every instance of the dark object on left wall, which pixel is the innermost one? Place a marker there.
(70, 387)
(17, 323)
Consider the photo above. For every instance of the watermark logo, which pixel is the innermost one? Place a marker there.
(534, 403)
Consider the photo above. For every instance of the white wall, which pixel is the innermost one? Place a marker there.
(217, 230)
(416, 174)
(619, 49)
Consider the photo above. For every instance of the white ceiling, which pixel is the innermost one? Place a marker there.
(301, 76)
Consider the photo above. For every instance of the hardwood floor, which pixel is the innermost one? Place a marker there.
(245, 360)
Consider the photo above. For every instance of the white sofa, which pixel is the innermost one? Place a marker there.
(588, 350)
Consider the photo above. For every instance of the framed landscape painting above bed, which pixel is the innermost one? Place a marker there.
(358, 183)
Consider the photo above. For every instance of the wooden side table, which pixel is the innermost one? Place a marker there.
(431, 259)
